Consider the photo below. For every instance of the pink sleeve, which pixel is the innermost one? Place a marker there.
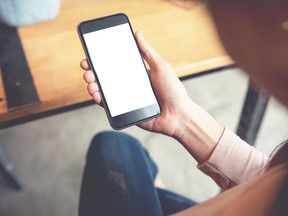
(233, 161)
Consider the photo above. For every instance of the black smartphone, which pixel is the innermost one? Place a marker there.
(120, 71)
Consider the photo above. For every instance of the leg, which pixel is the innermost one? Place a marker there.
(172, 203)
(118, 179)
(7, 169)
(252, 113)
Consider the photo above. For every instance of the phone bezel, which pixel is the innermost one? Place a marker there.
(130, 118)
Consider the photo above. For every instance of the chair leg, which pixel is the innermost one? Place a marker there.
(252, 113)
(7, 168)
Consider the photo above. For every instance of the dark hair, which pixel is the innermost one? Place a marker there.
(279, 156)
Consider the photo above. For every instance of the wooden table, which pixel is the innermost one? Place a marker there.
(186, 38)
(40, 69)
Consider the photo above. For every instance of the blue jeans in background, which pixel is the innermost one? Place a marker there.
(119, 180)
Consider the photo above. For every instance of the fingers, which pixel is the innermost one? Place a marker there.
(92, 87)
(84, 64)
(155, 61)
(93, 90)
(89, 77)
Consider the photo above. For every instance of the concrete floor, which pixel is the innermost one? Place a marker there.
(50, 153)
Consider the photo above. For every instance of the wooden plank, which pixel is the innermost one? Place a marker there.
(186, 38)
(17, 80)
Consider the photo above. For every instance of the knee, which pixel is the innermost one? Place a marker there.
(111, 144)
(112, 139)
(105, 138)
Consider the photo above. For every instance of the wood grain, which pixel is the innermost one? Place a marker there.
(186, 38)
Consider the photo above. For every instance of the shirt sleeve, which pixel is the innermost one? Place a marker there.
(233, 161)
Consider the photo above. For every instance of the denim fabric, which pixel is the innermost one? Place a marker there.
(119, 180)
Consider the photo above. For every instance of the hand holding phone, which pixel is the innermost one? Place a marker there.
(123, 80)
(169, 90)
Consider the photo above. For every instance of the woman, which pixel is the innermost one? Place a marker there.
(119, 175)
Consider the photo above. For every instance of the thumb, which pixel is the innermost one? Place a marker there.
(151, 56)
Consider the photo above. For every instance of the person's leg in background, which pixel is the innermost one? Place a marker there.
(119, 180)
(172, 202)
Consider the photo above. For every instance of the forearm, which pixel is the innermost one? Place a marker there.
(198, 132)
(221, 154)
(234, 161)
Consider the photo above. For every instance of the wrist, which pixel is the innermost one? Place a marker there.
(198, 132)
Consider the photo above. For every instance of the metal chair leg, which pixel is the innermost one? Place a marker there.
(7, 168)
(252, 113)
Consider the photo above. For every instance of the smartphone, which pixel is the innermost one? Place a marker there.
(114, 57)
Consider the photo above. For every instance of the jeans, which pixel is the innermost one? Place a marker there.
(119, 180)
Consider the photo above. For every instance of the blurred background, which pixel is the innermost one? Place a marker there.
(50, 153)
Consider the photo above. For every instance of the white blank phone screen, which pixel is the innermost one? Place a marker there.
(119, 67)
